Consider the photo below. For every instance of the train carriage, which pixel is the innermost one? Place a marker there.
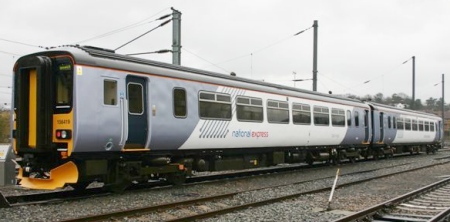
(405, 130)
(84, 114)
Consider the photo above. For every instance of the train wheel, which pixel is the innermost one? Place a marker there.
(118, 186)
(176, 178)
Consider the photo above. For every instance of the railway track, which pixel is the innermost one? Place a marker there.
(430, 203)
(200, 208)
(68, 195)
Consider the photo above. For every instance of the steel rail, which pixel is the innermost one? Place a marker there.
(146, 210)
(371, 211)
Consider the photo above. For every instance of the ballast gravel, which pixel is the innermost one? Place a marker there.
(304, 208)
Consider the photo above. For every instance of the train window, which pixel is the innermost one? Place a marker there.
(414, 125)
(179, 103)
(407, 124)
(135, 99)
(356, 116)
(301, 113)
(337, 117)
(63, 70)
(249, 109)
(431, 126)
(277, 112)
(400, 124)
(427, 126)
(214, 106)
(394, 123)
(389, 122)
(349, 118)
(110, 92)
(321, 116)
(420, 125)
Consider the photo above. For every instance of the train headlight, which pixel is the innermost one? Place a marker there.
(63, 134)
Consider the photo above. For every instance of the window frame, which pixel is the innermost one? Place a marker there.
(322, 114)
(302, 112)
(142, 98)
(105, 98)
(271, 108)
(214, 101)
(340, 113)
(174, 103)
(252, 106)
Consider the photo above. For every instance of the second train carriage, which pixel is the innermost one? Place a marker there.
(83, 114)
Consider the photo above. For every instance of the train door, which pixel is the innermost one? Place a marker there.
(366, 126)
(137, 112)
(381, 127)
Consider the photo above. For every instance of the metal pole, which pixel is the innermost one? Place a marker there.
(316, 26)
(443, 113)
(413, 82)
(176, 44)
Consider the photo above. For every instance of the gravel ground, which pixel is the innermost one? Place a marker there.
(305, 208)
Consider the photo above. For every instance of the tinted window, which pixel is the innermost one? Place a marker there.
(277, 112)
(135, 99)
(337, 117)
(321, 116)
(179, 103)
(249, 109)
(301, 113)
(215, 106)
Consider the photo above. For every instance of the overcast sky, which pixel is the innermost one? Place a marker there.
(359, 40)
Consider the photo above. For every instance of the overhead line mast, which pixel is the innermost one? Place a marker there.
(176, 42)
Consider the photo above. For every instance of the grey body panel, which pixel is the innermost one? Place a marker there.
(355, 135)
(98, 126)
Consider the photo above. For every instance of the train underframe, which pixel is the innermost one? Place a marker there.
(118, 171)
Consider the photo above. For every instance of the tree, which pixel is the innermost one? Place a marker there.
(4, 126)
(378, 98)
(431, 103)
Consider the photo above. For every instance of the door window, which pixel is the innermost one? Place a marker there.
(135, 99)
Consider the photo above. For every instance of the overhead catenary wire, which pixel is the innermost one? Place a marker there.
(265, 47)
(136, 24)
(159, 26)
(184, 49)
(21, 43)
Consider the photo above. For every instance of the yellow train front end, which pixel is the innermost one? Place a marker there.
(44, 120)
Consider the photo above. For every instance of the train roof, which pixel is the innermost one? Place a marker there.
(94, 56)
(383, 107)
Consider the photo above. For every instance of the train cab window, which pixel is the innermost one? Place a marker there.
(414, 125)
(337, 117)
(400, 124)
(179, 103)
(394, 122)
(407, 124)
(432, 126)
(427, 126)
(349, 118)
(277, 112)
(214, 106)
(301, 113)
(135, 96)
(420, 125)
(356, 116)
(63, 70)
(110, 92)
(389, 122)
(321, 116)
(249, 109)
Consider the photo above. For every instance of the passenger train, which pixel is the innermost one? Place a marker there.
(84, 114)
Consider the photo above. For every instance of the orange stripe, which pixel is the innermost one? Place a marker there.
(32, 109)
